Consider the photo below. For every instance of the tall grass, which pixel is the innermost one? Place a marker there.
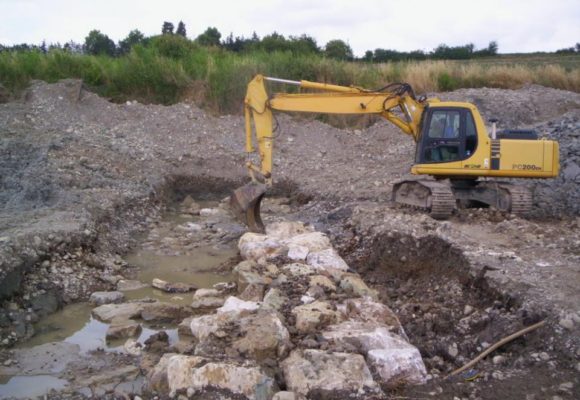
(216, 79)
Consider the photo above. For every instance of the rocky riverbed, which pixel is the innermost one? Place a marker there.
(86, 190)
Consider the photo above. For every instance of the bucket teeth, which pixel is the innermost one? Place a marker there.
(245, 203)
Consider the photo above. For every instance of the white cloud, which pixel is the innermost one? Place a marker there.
(518, 25)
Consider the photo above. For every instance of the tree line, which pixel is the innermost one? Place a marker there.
(174, 40)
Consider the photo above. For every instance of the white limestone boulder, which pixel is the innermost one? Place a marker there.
(196, 374)
(315, 370)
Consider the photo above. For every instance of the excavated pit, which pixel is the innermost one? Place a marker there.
(452, 312)
(183, 233)
(429, 284)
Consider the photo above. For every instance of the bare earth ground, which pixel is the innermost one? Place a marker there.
(79, 176)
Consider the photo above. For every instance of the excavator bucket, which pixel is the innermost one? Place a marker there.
(245, 203)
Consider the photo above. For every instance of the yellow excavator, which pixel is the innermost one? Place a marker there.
(452, 145)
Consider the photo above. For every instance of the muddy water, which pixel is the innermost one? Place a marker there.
(201, 268)
(178, 249)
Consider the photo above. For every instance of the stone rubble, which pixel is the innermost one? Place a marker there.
(342, 342)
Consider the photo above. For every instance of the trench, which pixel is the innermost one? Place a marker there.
(448, 309)
(193, 242)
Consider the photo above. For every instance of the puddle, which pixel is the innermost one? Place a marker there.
(180, 248)
(74, 324)
(29, 386)
(194, 268)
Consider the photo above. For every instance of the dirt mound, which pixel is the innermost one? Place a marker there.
(561, 196)
(517, 108)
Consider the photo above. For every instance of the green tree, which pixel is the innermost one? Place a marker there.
(134, 37)
(167, 28)
(368, 56)
(274, 42)
(490, 50)
(73, 47)
(173, 46)
(99, 43)
(445, 52)
(181, 29)
(211, 37)
(303, 44)
(338, 49)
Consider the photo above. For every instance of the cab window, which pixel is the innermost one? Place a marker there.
(470, 135)
(449, 134)
(444, 124)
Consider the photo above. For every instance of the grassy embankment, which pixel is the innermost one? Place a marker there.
(216, 79)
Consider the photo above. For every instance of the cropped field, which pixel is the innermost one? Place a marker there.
(216, 79)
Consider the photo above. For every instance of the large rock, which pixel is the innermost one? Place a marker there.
(207, 303)
(292, 239)
(328, 262)
(362, 337)
(323, 282)
(128, 285)
(286, 229)
(122, 329)
(353, 285)
(369, 311)
(197, 375)
(153, 312)
(249, 273)
(184, 328)
(258, 336)
(316, 371)
(298, 269)
(164, 312)
(311, 317)
(263, 336)
(169, 287)
(273, 300)
(157, 377)
(108, 312)
(233, 304)
(393, 359)
(254, 246)
(253, 292)
(313, 241)
(211, 326)
(206, 299)
(297, 253)
(403, 366)
(284, 396)
(100, 298)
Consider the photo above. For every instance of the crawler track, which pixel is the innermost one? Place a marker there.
(434, 197)
(521, 199)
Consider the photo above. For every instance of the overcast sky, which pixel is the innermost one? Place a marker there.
(517, 25)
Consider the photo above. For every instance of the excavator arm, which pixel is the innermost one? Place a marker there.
(396, 103)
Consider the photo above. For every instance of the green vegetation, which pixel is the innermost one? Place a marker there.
(169, 68)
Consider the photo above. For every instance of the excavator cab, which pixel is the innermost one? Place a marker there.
(448, 135)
